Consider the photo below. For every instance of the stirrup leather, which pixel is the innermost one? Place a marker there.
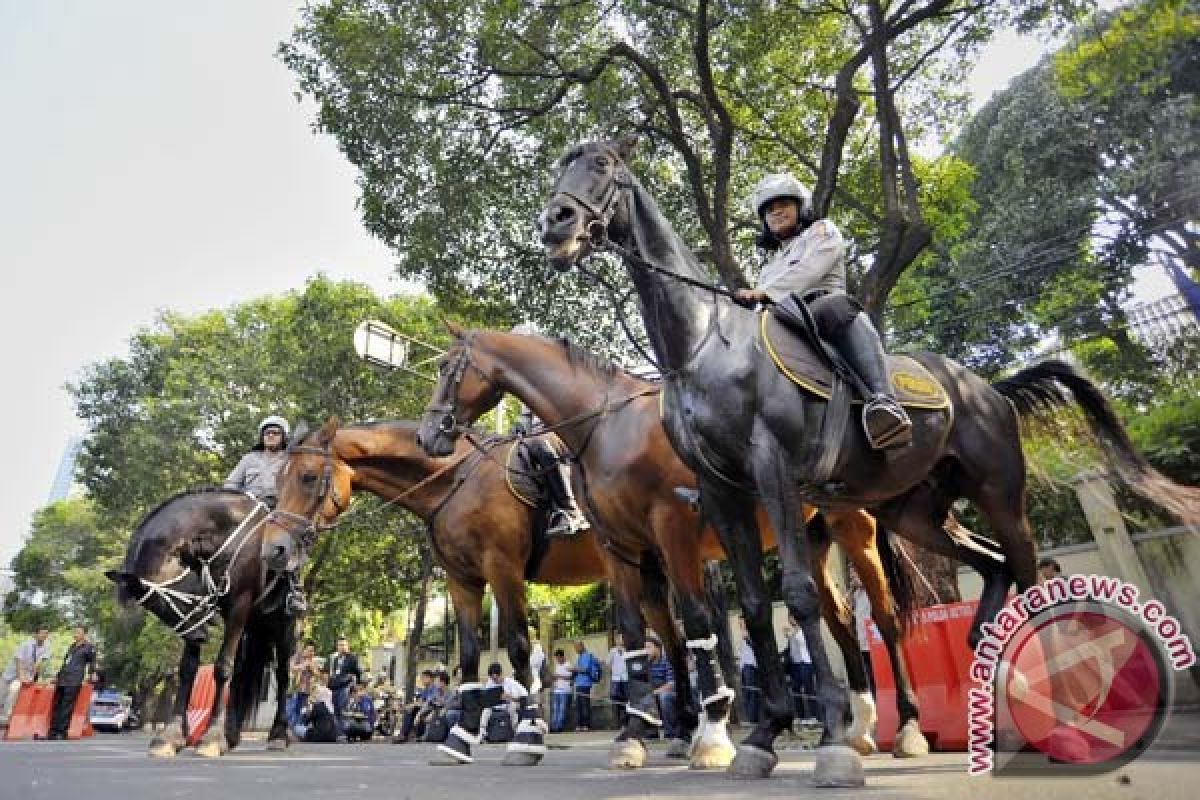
(886, 423)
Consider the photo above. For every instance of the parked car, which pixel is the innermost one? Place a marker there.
(110, 711)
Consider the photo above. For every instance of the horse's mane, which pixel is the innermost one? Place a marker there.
(195, 490)
(591, 361)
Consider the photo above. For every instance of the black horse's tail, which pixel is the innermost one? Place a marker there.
(901, 576)
(254, 654)
(1044, 388)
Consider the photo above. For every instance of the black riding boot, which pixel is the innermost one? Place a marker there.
(885, 422)
(567, 518)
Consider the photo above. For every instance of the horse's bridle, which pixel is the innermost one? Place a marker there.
(448, 408)
(606, 209)
(304, 528)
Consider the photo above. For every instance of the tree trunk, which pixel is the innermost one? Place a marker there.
(418, 629)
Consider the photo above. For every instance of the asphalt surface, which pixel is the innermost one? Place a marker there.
(116, 766)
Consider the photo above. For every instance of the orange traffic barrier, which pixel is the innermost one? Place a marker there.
(30, 717)
(81, 724)
(939, 663)
(200, 704)
(34, 707)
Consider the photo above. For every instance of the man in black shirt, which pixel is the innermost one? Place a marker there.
(344, 672)
(80, 659)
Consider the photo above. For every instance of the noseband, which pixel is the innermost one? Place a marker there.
(606, 209)
(448, 408)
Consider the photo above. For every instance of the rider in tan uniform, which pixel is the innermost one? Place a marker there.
(807, 258)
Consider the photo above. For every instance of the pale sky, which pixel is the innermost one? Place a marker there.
(153, 156)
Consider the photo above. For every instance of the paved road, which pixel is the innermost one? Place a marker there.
(115, 766)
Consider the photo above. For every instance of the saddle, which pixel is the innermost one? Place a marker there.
(789, 337)
(521, 474)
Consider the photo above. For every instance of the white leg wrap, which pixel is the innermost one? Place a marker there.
(635, 653)
(724, 693)
(703, 644)
(532, 726)
(646, 717)
(469, 687)
(461, 733)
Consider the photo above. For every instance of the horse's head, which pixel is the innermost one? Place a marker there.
(314, 488)
(464, 391)
(585, 200)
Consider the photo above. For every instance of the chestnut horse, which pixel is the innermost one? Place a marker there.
(746, 430)
(479, 531)
(628, 475)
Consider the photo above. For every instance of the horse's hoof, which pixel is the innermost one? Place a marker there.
(522, 758)
(210, 749)
(678, 748)
(277, 745)
(839, 767)
(910, 742)
(861, 733)
(712, 750)
(161, 748)
(752, 763)
(863, 744)
(629, 754)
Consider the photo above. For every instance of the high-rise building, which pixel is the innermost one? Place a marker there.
(64, 478)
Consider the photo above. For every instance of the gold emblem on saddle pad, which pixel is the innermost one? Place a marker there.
(915, 384)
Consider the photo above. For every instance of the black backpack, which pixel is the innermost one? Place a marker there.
(500, 727)
(438, 728)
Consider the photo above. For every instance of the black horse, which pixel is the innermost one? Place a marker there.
(196, 555)
(746, 430)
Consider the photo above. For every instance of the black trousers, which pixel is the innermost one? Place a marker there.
(64, 704)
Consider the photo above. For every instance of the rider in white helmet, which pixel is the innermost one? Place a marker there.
(807, 258)
(256, 473)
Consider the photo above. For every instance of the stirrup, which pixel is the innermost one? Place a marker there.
(886, 423)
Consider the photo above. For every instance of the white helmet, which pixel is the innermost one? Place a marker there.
(277, 421)
(781, 184)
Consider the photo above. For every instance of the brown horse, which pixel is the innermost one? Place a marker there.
(628, 475)
(480, 533)
(747, 432)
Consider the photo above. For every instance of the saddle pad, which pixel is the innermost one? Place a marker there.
(519, 472)
(795, 358)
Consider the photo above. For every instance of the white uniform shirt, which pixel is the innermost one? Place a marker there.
(813, 259)
(35, 657)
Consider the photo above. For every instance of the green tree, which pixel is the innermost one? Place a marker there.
(1085, 168)
(453, 113)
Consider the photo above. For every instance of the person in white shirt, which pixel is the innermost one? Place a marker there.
(26, 665)
(800, 673)
(537, 662)
(618, 684)
(561, 697)
(748, 667)
(861, 603)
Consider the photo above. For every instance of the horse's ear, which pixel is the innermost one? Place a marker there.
(114, 576)
(627, 146)
(298, 434)
(328, 430)
(455, 329)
